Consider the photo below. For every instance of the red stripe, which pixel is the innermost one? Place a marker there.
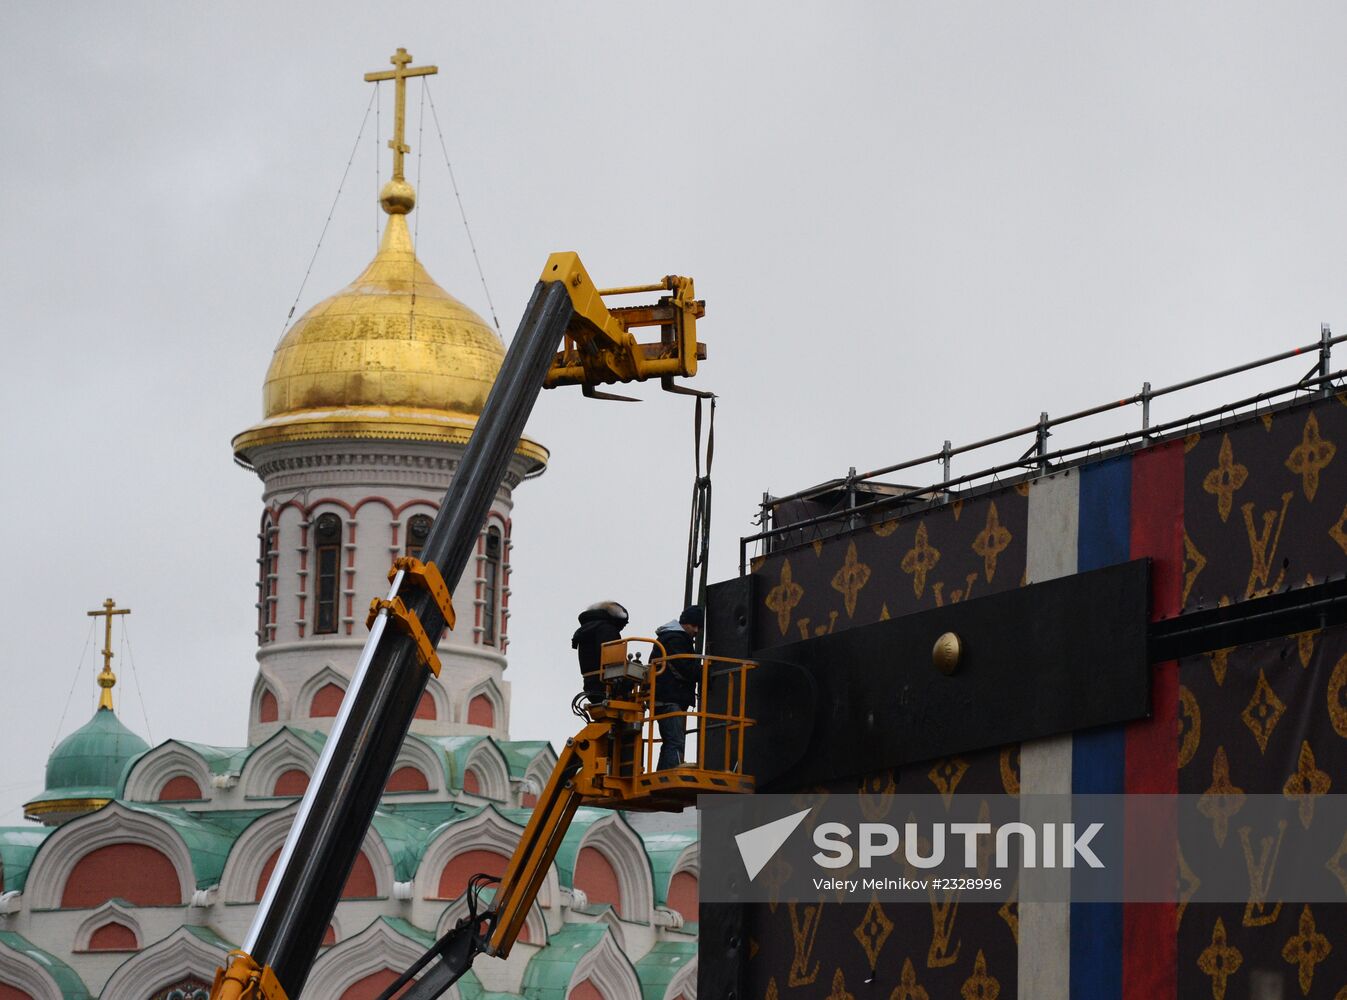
(1150, 952)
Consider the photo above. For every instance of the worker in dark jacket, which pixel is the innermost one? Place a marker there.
(599, 623)
(676, 684)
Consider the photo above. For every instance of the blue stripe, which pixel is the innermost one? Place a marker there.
(1104, 539)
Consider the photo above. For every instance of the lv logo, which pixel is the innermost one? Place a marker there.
(1256, 910)
(943, 914)
(955, 596)
(806, 632)
(1263, 547)
(802, 932)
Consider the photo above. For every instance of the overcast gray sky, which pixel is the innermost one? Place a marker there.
(910, 222)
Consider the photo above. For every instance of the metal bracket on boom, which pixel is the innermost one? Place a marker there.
(599, 348)
(427, 576)
(243, 979)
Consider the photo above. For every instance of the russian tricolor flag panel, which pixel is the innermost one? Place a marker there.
(1081, 519)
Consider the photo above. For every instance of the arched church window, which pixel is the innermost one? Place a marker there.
(481, 712)
(180, 788)
(264, 581)
(137, 873)
(418, 528)
(595, 874)
(113, 936)
(327, 562)
(491, 574)
(268, 709)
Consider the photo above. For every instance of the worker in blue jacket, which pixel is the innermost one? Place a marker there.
(676, 684)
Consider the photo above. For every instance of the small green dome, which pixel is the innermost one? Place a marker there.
(94, 755)
(85, 770)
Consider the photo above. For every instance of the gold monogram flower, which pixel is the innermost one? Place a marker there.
(1219, 960)
(1223, 799)
(1263, 712)
(980, 985)
(920, 560)
(991, 541)
(1310, 457)
(849, 580)
(1306, 949)
(1307, 784)
(784, 597)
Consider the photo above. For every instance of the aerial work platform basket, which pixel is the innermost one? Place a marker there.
(623, 754)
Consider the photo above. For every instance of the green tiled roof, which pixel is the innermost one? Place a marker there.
(408, 930)
(18, 844)
(315, 740)
(70, 984)
(470, 988)
(232, 821)
(406, 840)
(209, 937)
(220, 760)
(549, 972)
(431, 815)
(88, 764)
(660, 964)
(454, 750)
(519, 754)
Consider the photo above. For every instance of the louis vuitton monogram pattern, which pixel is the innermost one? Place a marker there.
(933, 558)
(938, 948)
(1264, 510)
(1265, 505)
(1266, 728)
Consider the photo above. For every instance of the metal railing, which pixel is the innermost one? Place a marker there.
(730, 673)
(1037, 458)
(639, 682)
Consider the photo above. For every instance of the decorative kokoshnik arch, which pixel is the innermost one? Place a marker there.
(387, 944)
(264, 837)
(488, 832)
(284, 752)
(158, 769)
(143, 835)
(27, 968)
(187, 953)
(617, 853)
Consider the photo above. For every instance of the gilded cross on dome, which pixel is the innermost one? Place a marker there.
(400, 59)
(107, 679)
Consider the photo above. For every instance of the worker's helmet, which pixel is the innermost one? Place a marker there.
(612, 609)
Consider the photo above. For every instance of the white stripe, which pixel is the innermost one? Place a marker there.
(1045, 765)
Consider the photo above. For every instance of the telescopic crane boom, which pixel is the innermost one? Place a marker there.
(603, 765)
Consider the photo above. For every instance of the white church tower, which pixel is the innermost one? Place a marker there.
(368, 404)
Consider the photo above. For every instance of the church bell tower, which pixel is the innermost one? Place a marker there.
(368, 403)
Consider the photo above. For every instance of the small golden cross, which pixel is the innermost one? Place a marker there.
(399, 75)
(107, 678)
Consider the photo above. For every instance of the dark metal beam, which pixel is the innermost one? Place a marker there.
(360, 752)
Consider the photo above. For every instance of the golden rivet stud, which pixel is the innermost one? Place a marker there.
(945, 653)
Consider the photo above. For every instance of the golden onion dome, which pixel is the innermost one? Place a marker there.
(392, 356)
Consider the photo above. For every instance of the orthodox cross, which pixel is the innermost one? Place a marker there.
(399, 75)
(107, 678)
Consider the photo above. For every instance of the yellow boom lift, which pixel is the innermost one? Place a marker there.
(610, 762)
